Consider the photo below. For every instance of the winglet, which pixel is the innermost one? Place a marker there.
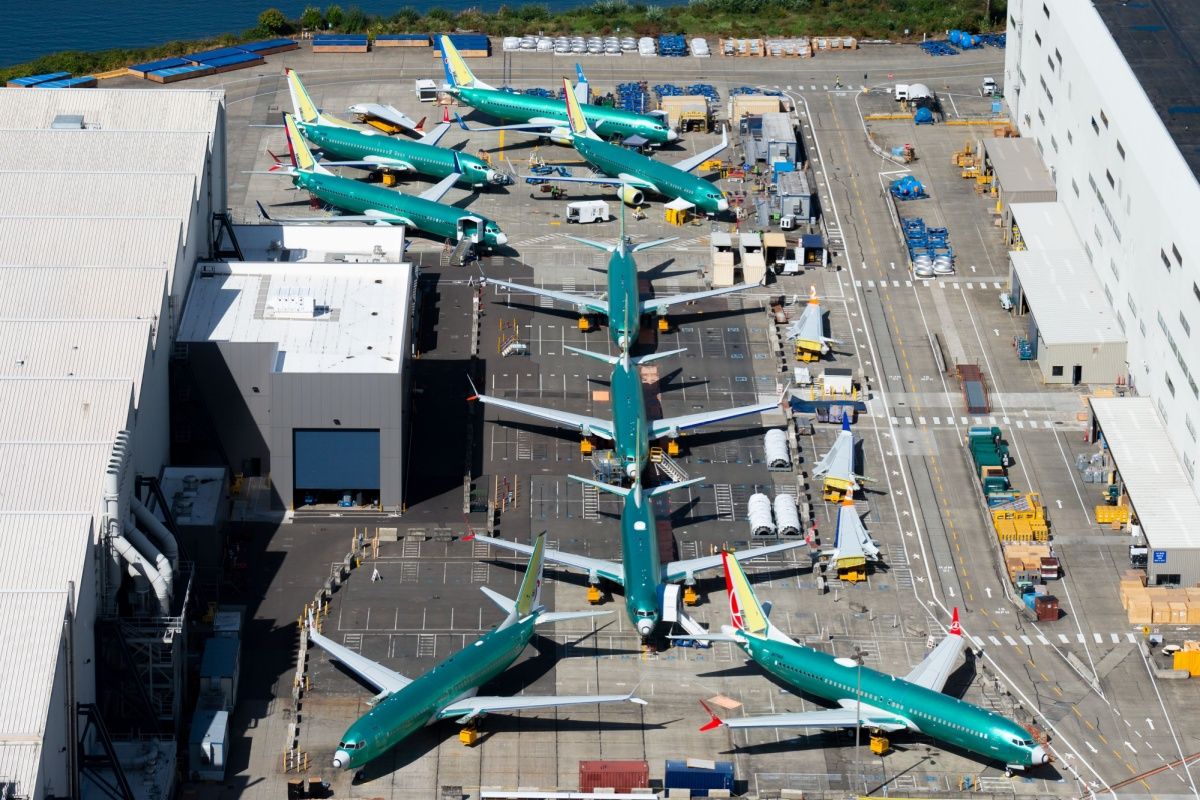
(420, 126)
(713, 722)
(531, 584)
(955, 626)
(302, 104)
(457, 163)
(461, 123)
(813, 300)
(744, 610)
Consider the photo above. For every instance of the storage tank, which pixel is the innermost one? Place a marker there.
(787, 518)
(758, 511)
(776, 446)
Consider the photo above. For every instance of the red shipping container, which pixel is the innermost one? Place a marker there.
(620, 776)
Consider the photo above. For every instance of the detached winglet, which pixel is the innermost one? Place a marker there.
(955, 625)
(714, 721)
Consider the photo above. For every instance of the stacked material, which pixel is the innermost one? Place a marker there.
(758, 511)
(340, 43)
(646, 47)
(1158, 605)
(469, 45)
(742, 47)
(36, 80)
(403, 40)
(1188, 658)
(789, 48)
(776, 446)
(787, 517)
(700, 48)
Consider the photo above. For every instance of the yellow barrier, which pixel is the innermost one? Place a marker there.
(887, 116)
(112, 73)
(977, 122)
(1107, 515)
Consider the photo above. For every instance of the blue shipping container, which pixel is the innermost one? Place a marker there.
(81, 82)
(465, 41)
(698, 780)
(268, 44)
(35, 80)
(165, 63)
(199, 70)
(208, 55)
(230, 60)
(340, 38)
(403, 37)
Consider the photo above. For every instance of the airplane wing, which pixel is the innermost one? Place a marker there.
(689, 164)
(580, 302)
(599, 180)
(435, 135)
(826, 718)
(588, 426)
(531, 126)
(593, 566)
(386, 113)
(673, 425)
(935, 668)
(470, 707)
(660, 305)
(382, 678)
(374, 217)
(679, 570)
(440, 188)
(373, 162)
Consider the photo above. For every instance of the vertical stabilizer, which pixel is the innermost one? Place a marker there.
(575, 118)
(744, 609)
(303, 107)
(458, 74)
(528, 599)
(302, 157)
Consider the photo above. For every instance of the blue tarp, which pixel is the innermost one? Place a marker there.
(220, 658)
(465, 41)
(163, 63)
(336, 459)
(403, 37)
(339, 38)
(235, 58)
(205, 56)
(267, 44)
(199, 69)
(81, 82)
(34, 80)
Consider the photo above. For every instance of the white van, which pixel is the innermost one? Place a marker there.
(901, 92)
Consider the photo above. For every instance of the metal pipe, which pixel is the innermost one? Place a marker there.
(157, 531)
(140, 567)
(142, 542)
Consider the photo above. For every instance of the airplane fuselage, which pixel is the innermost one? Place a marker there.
(615, 161)
(933, 713)
(624, 302)
(630, 430)
(418, 704)
(604, 120)
(640, 560)
(363, 198)
(349, 144)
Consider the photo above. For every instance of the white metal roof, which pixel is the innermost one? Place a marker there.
(92, 349)
(82, 293)
(103, 151)
(1018, 165)
(101, 194)
(63, 410)
(20, 760)
(52, 478)
(1159, 487)
(1045, 226)
(326, 244)
(32, 624)
(85, 241)
(1066, 297)
(115, 109)
(56, 543)
(324, 318)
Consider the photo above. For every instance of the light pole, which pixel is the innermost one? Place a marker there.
(859, 655)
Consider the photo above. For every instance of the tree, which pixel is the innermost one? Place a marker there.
(273, 21)
(355, 20)
(333, 16)
(312, 19)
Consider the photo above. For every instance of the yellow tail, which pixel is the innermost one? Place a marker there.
(575, 118)
(302, 157)
(744, 610)
(302, 105)
(457, 71)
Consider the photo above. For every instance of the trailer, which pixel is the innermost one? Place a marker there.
(974, 389)
(584, 211)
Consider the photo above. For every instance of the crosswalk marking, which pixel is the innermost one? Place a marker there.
(908, 420)
(1043, 640)
(996, 285)
(1116, 639)
(970, 286)
(1026, 640)
(1096, 636)
(937, 421)
(994, 640)
(908, 284)
(1010, 640)
(895, 284)
(1132, 639)
(1064, 639)
(920, 420)
(1020, 424)
(964, 420)
(1113, 637)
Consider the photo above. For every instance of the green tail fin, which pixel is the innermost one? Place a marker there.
(531, 585)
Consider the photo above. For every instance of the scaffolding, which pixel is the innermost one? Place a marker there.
(509, 342)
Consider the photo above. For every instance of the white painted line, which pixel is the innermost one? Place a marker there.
(1043, 640)
(908, 420)
(994, 640)
(996, 285)
(895, 284)
(964, 420)
(895, 420)
(1063, 639)
(908, 284)
(937, 420)
(970, 286)
(1079, 636)
(1131, 637)
(1099, 639)
(1032, 423)
(871, 284)
(1010, 640)
(1020, 424)
(1025, 640)
(1116, 638)
(920, 420)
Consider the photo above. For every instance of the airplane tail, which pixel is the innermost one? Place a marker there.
(529, 595)
(745, 611)
(302, 105)
(576, 120)
(302, 157)
(458, 74)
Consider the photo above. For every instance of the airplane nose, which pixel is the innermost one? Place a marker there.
(672, 134)
(337, 762)
(722, 204)
(645, 628)
(632, 471)
(1040, 756)
(501, 238)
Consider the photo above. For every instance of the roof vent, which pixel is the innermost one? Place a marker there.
(286, 304)
(68, 122)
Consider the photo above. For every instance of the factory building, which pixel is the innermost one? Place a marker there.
(301, 361)
(1117, 131)
(106, 200)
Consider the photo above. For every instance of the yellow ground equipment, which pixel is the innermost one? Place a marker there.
(1112, 515)
(690, 596)
(880, 744)
(469, 736)
(593, 595)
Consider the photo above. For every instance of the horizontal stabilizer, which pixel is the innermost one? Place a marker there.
(550, 617)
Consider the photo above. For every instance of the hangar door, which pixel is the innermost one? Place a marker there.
(333, 463)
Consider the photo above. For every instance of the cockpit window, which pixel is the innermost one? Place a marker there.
(1023, 742)
(645, 613)
(360, 745)
(342, 746)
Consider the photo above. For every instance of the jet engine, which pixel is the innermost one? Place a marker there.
(631, 196)
(560, 136)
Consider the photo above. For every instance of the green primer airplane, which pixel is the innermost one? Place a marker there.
(372, 149)
(448, 691)
(378, 205)
(629, 431)
(650, 596)
(867, 697)
(543, 114)
(633, 173)
(622, 306)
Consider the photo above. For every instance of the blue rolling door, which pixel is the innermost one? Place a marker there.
(336, 460)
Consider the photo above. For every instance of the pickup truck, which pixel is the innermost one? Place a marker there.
(988, 87)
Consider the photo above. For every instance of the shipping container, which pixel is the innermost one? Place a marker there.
(267, 47)
(620, 776)
(402, 40)
(208, 744)
(698, 776)
(219, 668)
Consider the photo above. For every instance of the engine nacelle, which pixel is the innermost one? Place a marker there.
(560, 136)
(631, 196)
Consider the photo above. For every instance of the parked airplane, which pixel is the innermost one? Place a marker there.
(628, 430)
(370, 149)
(633, 173)
(809, 331)
(448, 691)
(852, 547)
(378, 205)
(543, 114)
(621, 305)
(646, 581)
(866, 697)
(837, 465)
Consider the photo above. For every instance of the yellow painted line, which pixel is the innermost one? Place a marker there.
(1044, 677)
(1091, 727)
(1101, 735)
(1074, 709)
(1057, 690)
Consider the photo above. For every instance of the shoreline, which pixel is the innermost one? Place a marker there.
(705, 18)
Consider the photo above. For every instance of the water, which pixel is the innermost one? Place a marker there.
(37, 27)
